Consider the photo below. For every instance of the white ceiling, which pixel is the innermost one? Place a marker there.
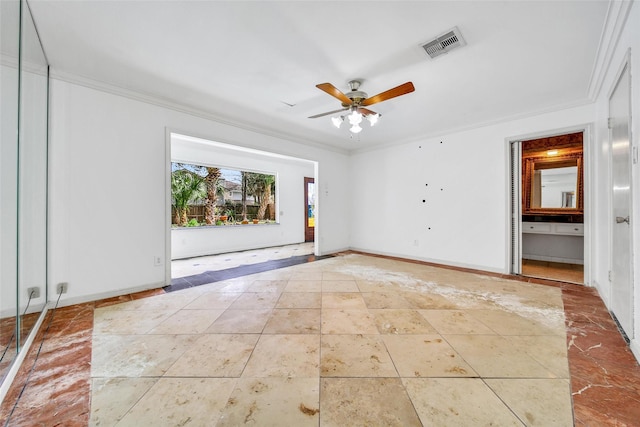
(242, 61)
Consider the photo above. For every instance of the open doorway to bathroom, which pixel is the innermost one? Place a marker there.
(548, 207)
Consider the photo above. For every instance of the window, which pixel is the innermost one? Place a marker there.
(209, 195)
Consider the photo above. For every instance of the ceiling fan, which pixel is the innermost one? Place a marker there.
(355, 101)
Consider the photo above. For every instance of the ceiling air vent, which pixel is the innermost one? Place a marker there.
(444, 43)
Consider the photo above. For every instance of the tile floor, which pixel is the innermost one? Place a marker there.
(351, 340)
(571, 273)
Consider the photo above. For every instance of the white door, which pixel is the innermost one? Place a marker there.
(622, 283)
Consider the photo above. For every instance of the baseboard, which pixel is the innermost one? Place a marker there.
(479, 268)
(104, 295)
(634, 345)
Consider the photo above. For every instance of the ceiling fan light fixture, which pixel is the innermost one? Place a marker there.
(373, 118)
(355, 129)
(337, 121)
(355, 118)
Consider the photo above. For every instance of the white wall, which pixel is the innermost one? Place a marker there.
(108, 195)
(463, 179)
(290, 203)
(8, 190)
(629, 42)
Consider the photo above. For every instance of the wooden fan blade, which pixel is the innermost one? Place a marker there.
(403, 89)
(333, 91)
(326, 114)
(366, 111)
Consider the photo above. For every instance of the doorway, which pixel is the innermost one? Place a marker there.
(547, 205)
(310, 209)
(621, 265)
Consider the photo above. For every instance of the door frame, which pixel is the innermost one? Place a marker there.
(308, 230)
(587, 131)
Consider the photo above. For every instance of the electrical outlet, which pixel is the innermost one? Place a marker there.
(62, 288)
(157, 261)
(33, 292)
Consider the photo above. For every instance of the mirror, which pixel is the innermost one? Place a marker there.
(552, 183)
(9, 85)
(23, 187)
(32, 177)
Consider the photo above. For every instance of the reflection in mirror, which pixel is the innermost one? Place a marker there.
(9, 82)
(553, 184)
(32, 177)
(554, 187)
(23, 213)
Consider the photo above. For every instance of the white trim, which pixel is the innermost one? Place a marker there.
(634, 345)
(444, 263)
(587, 130)
(17, 363)
(475, 126)
(615, 20)
(167, 206)
(182, 108)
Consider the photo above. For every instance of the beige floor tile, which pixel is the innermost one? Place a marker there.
(213, 300)
(426, 356)
(173, 301)
(355, 356)
(347, 322)
(385, 300)
(548, 350)
(339, 286)
(343, 300)
(455, 322)
(268, 286)
(240, 322)
(187, 322)
(120, 322)
(526, 322)
(496, 356)
(255, 301)
(426, 301)
(401, 321)
(112, 398)
(300, 300)
(293, 321)
(136, 355)
(336, 275)
(273, 402)
(306, 275)
(183, 401)
(241, 284)
(365, 402)
(304, 286)
(284, 356)
(457, 402)
(215, 355)
(537, 402)
(376, 286)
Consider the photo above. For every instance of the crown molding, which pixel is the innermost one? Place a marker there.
(477, 125)
(158, 101)
(616, 18)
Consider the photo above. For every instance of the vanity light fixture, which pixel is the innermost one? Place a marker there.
(552, 153)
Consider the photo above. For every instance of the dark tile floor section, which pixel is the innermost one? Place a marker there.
(605, 377)
(242, 270)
